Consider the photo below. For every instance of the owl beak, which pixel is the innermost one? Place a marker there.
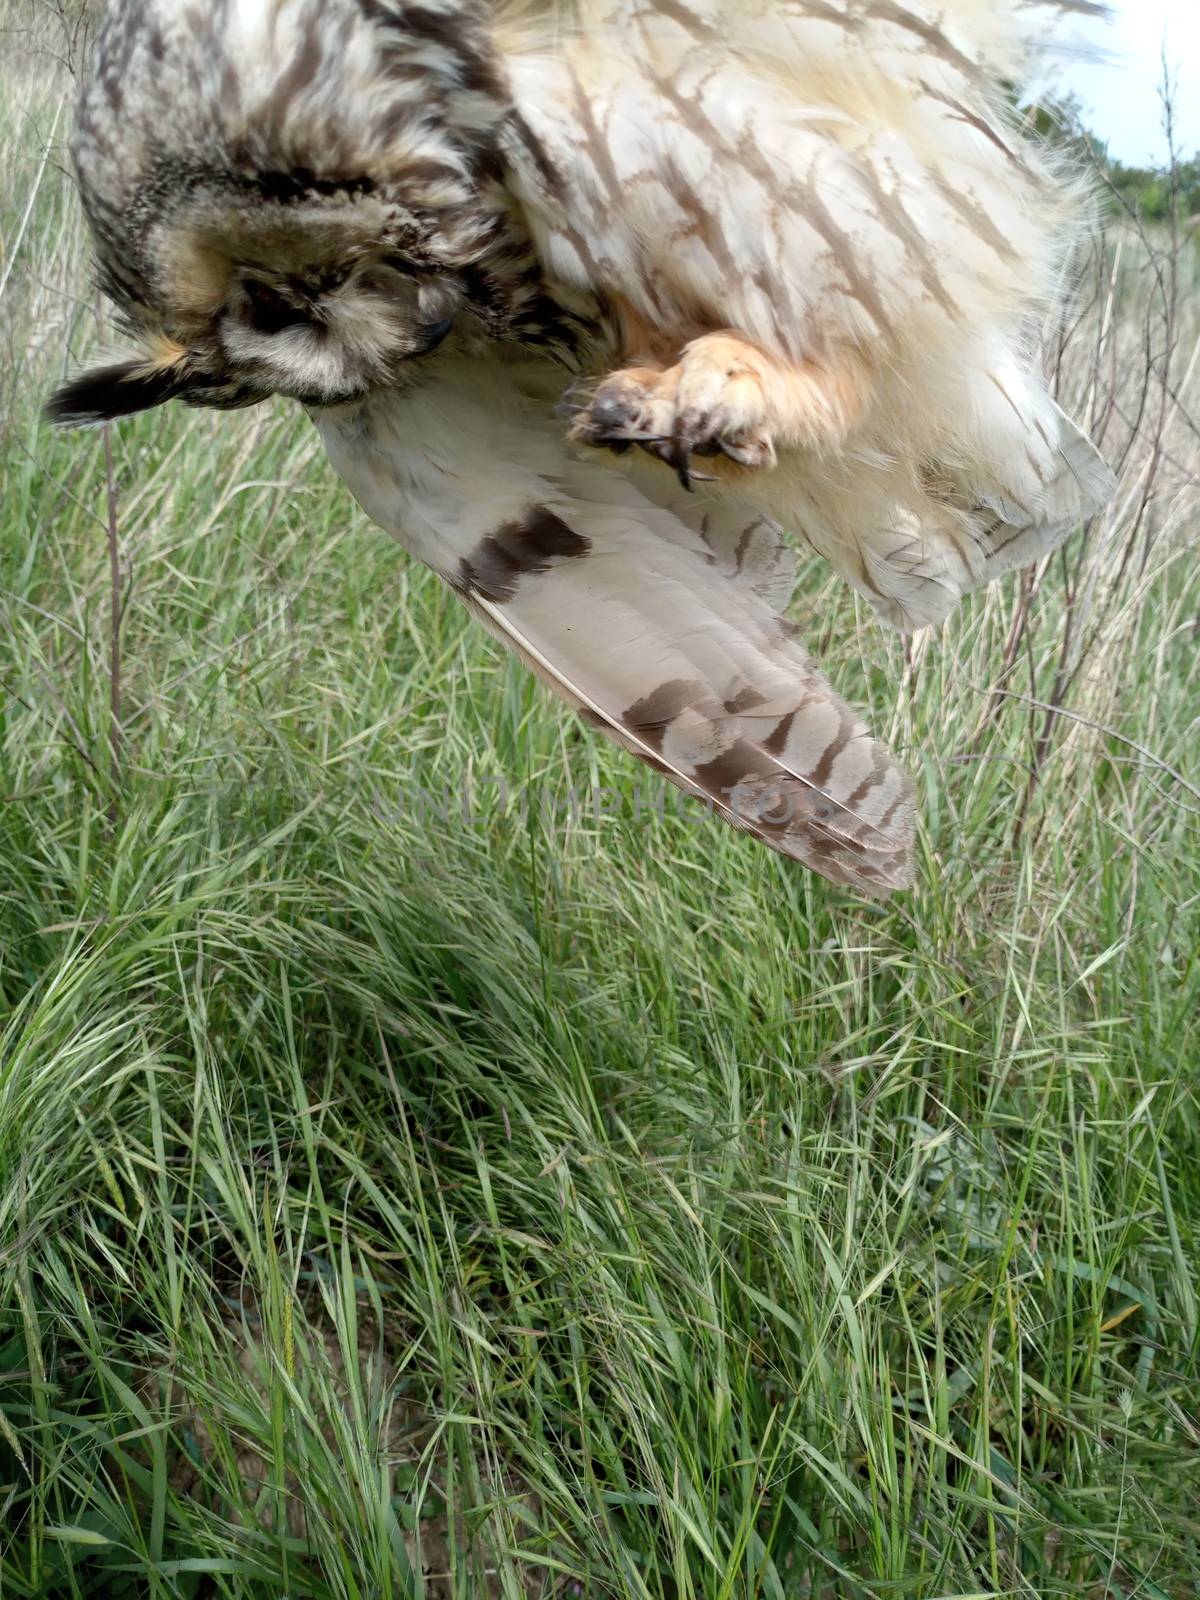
(433, 335)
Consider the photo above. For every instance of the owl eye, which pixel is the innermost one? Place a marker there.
(403, 265)
(269, 311)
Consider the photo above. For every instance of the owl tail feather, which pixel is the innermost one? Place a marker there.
(915, 550)
(1012, 533)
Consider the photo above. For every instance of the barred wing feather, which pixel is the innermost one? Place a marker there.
(689, 669)
(656, 618)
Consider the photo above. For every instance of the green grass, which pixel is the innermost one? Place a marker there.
(401, 1202)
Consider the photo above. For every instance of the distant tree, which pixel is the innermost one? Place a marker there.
(1147, 191)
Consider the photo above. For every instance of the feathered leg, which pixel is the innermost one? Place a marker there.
(726, 397)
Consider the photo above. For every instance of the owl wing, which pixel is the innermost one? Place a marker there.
(915, 550)
(1015, 528)
(653, 614)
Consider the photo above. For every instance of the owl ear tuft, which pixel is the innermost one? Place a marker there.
(106, 393)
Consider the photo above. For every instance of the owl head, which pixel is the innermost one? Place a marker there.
(289, 198)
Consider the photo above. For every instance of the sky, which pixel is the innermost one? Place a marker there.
(1120, 91)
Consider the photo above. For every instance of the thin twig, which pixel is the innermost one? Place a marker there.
(1100, 727)
(72, 740)
(114, 632)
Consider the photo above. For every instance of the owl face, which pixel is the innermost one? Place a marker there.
(320, 299)
(285, 199)
(308, 313)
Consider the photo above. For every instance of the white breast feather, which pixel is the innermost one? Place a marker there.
(829, 175)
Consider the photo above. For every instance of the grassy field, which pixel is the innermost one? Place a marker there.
(415, 1183)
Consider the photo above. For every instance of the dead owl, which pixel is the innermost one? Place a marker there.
(586, 296)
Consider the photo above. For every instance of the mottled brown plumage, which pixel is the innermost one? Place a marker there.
(539, 270)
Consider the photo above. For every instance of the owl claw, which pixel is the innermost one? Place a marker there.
(698, 408)
(677, 455)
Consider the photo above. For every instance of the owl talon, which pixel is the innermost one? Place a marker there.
(678, 456)
(704, 406)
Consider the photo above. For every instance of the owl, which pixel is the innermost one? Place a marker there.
(588, 298)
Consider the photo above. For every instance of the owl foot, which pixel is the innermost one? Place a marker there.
(711, 403)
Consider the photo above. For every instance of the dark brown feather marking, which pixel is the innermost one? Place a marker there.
(776, 741)
(976, 218)
(539, 155)
(775, 800)
(896, 218)
(299, 73)
(597, 720)
(650, 717)
(747, 699)
(743, 545)
(877, 775)
(730, 769)
(927, 32)
(821, 773)
(961, 113)
(802, 196)
(687, 20)
(527, 545)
